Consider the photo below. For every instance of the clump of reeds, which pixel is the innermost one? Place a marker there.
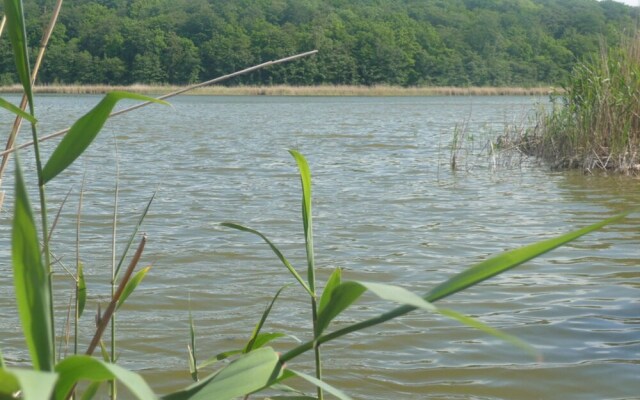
(597, 124)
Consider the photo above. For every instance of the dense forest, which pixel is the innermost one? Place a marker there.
(364, 42)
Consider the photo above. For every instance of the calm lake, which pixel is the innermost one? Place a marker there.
(387, 208)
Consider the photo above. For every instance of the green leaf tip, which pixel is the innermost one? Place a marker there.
(17, 111)
(84, 131)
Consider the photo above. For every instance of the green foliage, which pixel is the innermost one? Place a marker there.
(83, 131)
(31, 281)
(597, 126)
(403, 42)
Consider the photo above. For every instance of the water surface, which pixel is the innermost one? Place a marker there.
(387, 208)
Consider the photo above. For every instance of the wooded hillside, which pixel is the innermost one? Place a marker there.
(398, 42)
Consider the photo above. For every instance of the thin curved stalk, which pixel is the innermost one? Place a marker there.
(172, 94)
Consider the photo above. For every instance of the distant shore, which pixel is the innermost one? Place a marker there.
(285, 90)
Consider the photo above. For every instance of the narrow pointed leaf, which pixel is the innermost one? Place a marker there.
(334, 280)
(219, 357)
(35, 385)
(323, 385)
(31, 281)
(82, 290)
(80, 368)
(510, 259)
(266, 338)
(193, 364)
(249, 373)
(18, 37)
(83, 131)
(17, 110)
(307, 220)
(275, 250)
(260, 324)
(132, 285)
(134, 234)
(292, 398)
(342, 297)
(398, 295)
(474, 323)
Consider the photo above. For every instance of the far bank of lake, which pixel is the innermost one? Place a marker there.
(286, 90)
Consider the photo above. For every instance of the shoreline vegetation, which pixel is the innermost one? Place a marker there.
(290, 90)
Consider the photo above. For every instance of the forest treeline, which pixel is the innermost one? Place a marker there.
(362, 42)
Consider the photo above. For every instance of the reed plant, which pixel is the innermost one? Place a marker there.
(254, 367)
(595, 124)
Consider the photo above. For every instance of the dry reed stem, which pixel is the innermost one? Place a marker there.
(106, 317)
(172, 94)
(23, 104)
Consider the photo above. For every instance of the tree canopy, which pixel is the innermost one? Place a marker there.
(366, 42)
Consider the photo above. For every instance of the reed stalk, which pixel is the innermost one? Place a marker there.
(172, 94)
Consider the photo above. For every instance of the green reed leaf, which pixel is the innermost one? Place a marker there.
(343, 296)
(292, 398)
(510, 259)
(265, 338)
(260, 324)
(18, 37)
(134, 233)
(334, 280)
(307, 220)
(78, 368)
(31, 280)
(132, 285)
(35, 385)
(474, 323)
(82, 290)
(191, 347)
(2, 365)
(219, 357)
(275, 250)
(348, 292)
(249, 373)
(18, 111)
(83, 131)
(323, 385)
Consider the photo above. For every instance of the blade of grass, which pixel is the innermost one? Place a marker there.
(510, 259)
(480, 272)
(321, 384)
(135, 231)
(193, 363)
(334, 280)
(275, 250)
(106, 317)
(249, 373)
(31, 281)
(219, 357)
(35, 385)
(18, 36)
(83, 131)
(132, 285)
(307, 222)
(263, 319)
(81, 367)
(17, 111)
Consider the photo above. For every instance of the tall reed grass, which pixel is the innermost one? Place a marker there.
(254, 367)
(595, 125)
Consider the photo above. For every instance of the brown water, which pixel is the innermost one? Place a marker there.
(387, 208)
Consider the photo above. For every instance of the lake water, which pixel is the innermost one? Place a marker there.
(387, 208)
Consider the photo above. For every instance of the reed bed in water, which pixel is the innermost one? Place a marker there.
(595, 125)
(287, 90)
